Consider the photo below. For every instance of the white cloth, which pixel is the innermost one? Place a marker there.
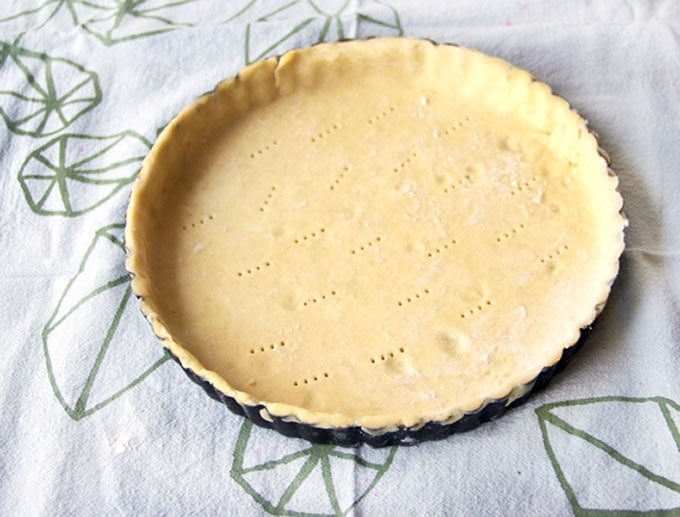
(94, 419)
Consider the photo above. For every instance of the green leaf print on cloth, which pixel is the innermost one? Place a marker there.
(111, 21)
(305, 479)
(124, 20)
(92, 340)
(34, 15)
(73, 174)
(41, 95)
(291, 23)
(601, 463)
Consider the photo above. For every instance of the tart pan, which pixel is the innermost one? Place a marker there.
(381, 241)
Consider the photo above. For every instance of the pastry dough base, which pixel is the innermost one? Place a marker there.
(375, 233)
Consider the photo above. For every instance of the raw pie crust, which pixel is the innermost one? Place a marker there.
(376, 233)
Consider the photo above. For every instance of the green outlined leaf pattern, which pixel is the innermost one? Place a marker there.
(35, 16)
(305, 479)
(289, 23)
(91, 341)
(631, 475)
(41, 95)
(124, 20)
(73, 174)
(111, 21)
